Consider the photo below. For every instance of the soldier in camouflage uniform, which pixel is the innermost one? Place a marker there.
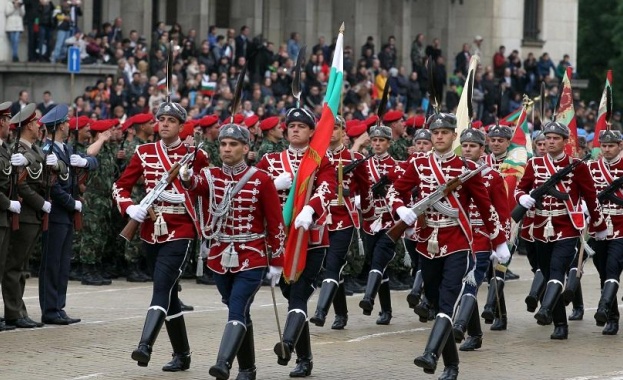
(255, 138)
(272, 137)
(210, 127)
(143, 125)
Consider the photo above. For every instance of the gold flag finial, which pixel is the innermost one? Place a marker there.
(342, 28)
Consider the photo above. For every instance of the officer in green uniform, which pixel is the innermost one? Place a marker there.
(272, 137)
(209, 125)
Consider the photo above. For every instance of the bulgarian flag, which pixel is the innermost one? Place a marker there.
(296, 244)
(601, 116)
(208, 88)
(514, 164)
(512, 117)
(566, 113)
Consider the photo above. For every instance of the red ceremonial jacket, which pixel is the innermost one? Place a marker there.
(251, 223)
(579, 184)
(450, 234)
(324, 188)
(396, 173)
(613, 213)
(375, 209)
(180, 218)
(354, 183)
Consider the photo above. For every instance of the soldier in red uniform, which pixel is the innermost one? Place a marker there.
(444, 241)
(282, 167)
(244, 228)
(377, 219)
(473, 148)
(343, 221)
(609, 253)
(558, 223)
(538, 282)
(168, 238)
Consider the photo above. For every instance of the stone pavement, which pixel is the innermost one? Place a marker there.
(112, 319)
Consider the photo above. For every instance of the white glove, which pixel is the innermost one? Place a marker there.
(51, 160)
(601, 235)
(304, 218)
(283, 181)
(186, 172)
(358, 202)
(502, 253)
(527, 201)
(18, 159)
(15, 207)
(274, 275)
(137, 213)
(77, 161)
(406, 215)
(47, 207)
(78, 206)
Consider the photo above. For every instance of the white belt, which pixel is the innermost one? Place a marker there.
(335, 203)
(170, 210)
(612, 211)
(380, 210)
(238, 238)
(547, 213)
(442, 223)
(477, 222)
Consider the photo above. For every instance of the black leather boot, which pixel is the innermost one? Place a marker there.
(608, 294)
(423, 310)
(560, 332)
(176, 329)
(413, 298)
(295, 322)
(436, 342)
(450, 361)
(340, 322)
(304, 359)
(463, 315)
(135, 274)
(536, 290)
(496, 286)
(153, 324)
(327, 293)
(230, 345)
(385, 315)
(246, 356)
(372, 288)
(577, 314)
(550, 297)
(474, 340)
(91, 276)
(570, 286)
(501, 320)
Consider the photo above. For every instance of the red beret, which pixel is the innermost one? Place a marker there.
(489, 126)
(188, 129)
(392, 116)
(251, 121)
(140, 118)
(371, 120)
(269, 123)
(476, 124)
(81, 121)
(207, 121)
(238, 118)
(416, 121)
(356, 130)
(351, 123)
(103, 125)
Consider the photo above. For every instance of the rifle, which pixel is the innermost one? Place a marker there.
(432, 200)
(350, 167)
(548, 188)
(120, 161)
(47, 180)
(76, 182)
(130, 229)
(378, 189)
(15, 173)
(607, 194)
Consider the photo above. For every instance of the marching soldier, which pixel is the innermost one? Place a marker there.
(473, 148)
(272, 137)
(342, 220)
(282, 167)
(167, 238)
(559, 222)
(240, 253)
(444, 241)
(57, 241)
(377, 219)
(608, 253)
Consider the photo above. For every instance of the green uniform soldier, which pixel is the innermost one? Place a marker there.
(209, 126)
(400, 145)
(272, 137)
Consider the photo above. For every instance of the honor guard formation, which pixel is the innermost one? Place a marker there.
(317, 195)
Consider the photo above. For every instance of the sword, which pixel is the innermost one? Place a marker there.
(497, 267)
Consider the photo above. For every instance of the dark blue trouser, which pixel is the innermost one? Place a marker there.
(54, 270)
(382, 251)
(608, 258)
(166, 262)
(443, 279)
(339, 242)
(298, 293)
(238, 290)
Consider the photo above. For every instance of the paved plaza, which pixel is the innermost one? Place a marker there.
(112, 318)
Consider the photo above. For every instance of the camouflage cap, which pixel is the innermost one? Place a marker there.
(473, 135)
(423, 134)
(234, 131)
(381, 131)
(500, 131)
(441, 120)
(172, 109)
(557, 128)
(610, 136)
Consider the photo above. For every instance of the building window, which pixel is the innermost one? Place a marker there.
(532, 23)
